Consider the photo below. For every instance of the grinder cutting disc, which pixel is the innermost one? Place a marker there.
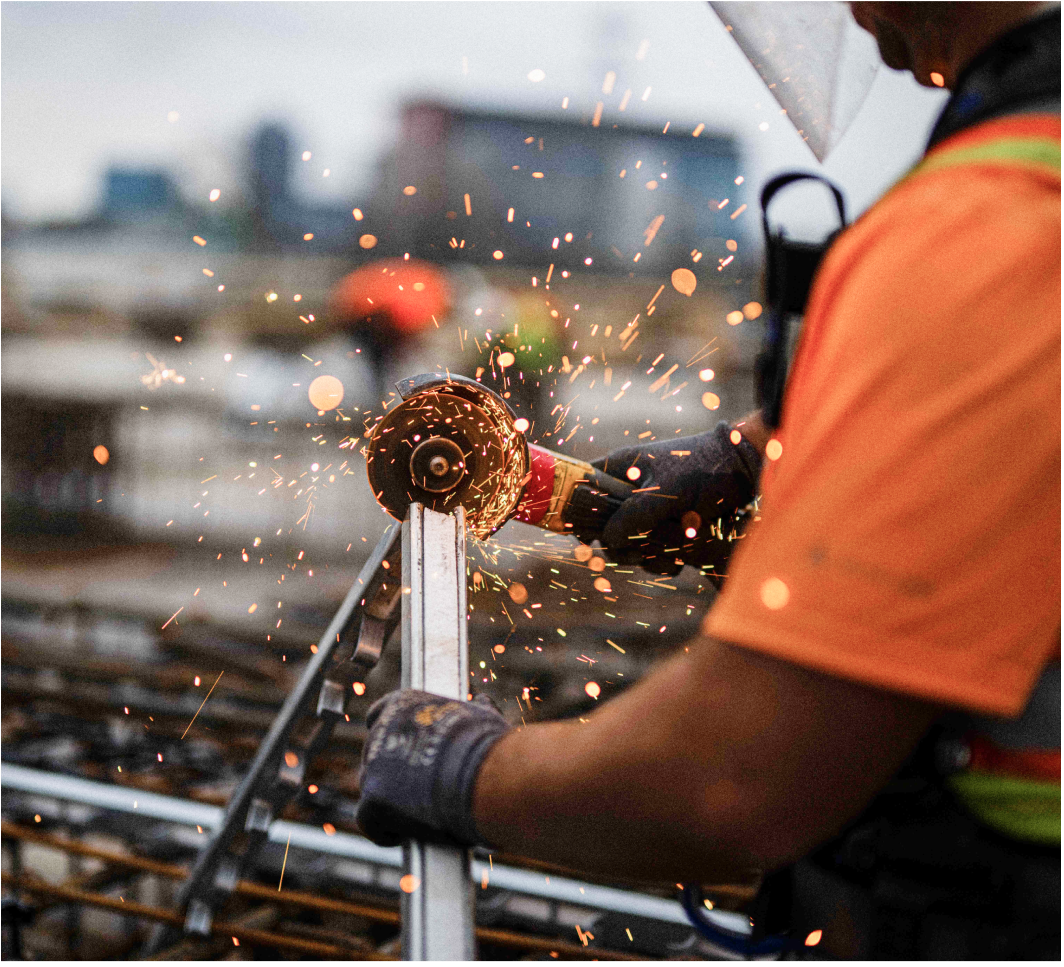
(440, 448)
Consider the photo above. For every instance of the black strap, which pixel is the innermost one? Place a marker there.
(773, 185)
(790, 268)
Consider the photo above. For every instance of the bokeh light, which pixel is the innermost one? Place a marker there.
(683, 280)
(326, 393)
(775, 594)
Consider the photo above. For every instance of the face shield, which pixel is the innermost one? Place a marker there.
(817, 63)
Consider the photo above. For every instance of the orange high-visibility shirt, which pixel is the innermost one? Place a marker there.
(910, 530)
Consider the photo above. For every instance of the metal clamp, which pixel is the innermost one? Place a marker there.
(429, 565)
(315, 705)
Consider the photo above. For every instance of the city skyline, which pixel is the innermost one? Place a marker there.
(111, 87)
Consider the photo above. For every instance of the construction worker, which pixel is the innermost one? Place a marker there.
(873, 707)
(384, 306)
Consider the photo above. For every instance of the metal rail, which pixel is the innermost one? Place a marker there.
(437, 902)
(188, 813)
(437, 908)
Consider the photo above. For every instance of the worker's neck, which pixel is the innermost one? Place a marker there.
(985, 24)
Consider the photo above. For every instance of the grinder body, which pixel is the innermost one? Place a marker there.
(453, 441)
(568, 495)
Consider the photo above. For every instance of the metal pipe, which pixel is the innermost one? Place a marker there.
(564, 889)
(437, 900)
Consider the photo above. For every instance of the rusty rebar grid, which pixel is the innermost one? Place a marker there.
(300, 899)
(263, 938)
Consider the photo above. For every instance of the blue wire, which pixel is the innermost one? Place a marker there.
(691, 899)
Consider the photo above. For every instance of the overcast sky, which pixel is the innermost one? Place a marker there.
(86, 85)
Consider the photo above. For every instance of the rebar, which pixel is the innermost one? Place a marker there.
(300, 899)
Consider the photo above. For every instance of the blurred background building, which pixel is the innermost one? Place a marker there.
(184, 188)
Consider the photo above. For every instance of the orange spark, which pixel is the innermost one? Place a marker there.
(204, 702)
(284, 862)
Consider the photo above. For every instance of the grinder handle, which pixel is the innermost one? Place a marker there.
(610, 485)
(593, 502)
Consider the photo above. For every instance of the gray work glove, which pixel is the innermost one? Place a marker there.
(419, 766)
(702, 490)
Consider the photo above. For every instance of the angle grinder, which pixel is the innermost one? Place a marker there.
(453, 442)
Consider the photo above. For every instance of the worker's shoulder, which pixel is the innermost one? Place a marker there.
(943, 233)
(964, 207)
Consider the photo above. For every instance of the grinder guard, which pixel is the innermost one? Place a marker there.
(453, 441)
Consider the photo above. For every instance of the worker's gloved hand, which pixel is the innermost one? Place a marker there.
(419, 765)
(690, 483)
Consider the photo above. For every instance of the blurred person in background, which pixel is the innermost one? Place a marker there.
(872, 712)
(385, 306)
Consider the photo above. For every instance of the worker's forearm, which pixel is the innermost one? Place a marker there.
(720, 761)
(616, 793)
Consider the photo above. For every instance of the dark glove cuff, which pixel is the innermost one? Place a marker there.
(457, 780)
(747, 459)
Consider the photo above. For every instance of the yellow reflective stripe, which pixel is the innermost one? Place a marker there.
(1039, 152)
(1021, 808)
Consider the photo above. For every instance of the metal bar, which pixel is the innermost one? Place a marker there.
(185, 812)
(131, 908)
(437, 906)
(300, 899)
(277, 771)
